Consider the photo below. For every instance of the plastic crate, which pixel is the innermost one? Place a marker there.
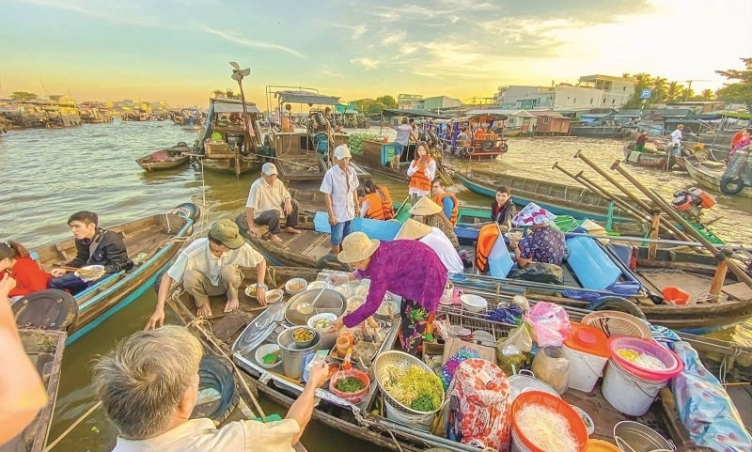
(377, 229)
(321, 223)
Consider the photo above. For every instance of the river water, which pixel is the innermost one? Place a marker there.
(49, 174)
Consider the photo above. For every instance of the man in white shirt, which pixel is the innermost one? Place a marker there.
(209, 267)
(148, 385)
(268, 201)
(676, 139)
(404, 131)
(436, 240)
(340, 188)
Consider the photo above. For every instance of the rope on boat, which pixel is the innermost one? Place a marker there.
(72, 426)
(196, 323)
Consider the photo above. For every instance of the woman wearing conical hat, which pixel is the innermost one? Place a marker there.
(407, 268)
(429, 213)
(434, 238)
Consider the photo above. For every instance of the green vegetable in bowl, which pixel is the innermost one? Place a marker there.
(349, 384)
(270, 358)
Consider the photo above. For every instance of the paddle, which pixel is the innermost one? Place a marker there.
(400, 207)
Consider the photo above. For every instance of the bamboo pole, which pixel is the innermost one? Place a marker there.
(629, 194)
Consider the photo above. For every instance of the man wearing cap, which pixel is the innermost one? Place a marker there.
(340, 188)
(420, 281)
(268, 201)
(436, 240)
(209, 267)
(546, 243)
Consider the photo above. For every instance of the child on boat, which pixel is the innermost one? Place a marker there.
(29, 275)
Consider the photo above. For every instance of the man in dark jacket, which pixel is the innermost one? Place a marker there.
(94, 246)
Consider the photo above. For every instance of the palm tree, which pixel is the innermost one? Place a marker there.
(218, 93)
(659, 89)
(643, 80)
(626, 75)
(707, 94)
(674, 91)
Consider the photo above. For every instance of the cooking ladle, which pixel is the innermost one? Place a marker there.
(305, 308)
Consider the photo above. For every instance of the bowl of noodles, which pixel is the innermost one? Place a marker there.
(90, 272)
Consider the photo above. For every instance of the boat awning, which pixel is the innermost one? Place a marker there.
(500, 111)
(233, 106)
(388, 112)
(346, 110)
(306, 97)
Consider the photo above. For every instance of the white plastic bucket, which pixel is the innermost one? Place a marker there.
(584, 369)
(628, 393)
(420, 422)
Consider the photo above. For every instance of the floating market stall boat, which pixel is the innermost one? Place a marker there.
(374, 414)
(45, 351)
(230, 140)
(711, 178)
(167, 158)
(645, 159)
(152, 243)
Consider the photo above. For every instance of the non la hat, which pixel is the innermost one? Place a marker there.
(269, 169)
(227, 232)
(413, 230)
(341, 152)
(357, 247)
(425, 206)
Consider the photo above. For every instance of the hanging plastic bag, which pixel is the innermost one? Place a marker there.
(513, 352)
(550, 324)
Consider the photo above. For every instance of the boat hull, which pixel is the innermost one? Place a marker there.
(711, 179)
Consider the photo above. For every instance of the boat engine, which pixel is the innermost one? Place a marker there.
(692, 202)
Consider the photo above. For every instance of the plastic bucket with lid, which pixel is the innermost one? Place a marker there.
(521, 443)
(587, 352)
(672, 364)
(629, 394)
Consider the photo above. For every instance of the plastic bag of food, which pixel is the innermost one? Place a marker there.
(513, 352)
(550, 324)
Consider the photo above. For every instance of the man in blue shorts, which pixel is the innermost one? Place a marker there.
(340, 188)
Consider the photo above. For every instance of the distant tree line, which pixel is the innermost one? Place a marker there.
(374, 106)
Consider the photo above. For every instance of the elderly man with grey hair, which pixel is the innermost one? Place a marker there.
(148, 386)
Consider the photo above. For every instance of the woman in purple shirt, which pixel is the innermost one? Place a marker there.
(406, 268)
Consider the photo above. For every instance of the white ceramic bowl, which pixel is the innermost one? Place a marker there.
(323, 316)
(473, 303)
(265, 350)
(295, 286)
(273, 296)
(316, 285)
(251, 290)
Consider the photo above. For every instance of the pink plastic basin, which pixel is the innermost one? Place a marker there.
(673, 364)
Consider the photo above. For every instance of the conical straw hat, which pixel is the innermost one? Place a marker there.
(425, 206)
(357, 247)
(413, 230)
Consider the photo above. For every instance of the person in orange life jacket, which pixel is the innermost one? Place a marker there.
(421, 172)
(28, 274)
(446, 200)
(503, 209)
(94, 246)
(376, 204)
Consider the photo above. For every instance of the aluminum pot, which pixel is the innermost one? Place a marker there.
(293, 356)
(330, 301)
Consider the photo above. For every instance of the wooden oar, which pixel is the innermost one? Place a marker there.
(400, 207)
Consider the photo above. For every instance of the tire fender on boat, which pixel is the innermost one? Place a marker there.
(217, 375)
(50, 309)
(610, 303)
(735, 181)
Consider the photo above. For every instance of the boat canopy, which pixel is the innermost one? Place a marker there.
(306, 97)
(233, 106)
(388, 112)
(500, 111)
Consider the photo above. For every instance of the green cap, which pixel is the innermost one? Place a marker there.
(227, 232)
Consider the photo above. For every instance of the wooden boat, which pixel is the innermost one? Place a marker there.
(366, 420)
(167, 158)
(377, 157)
(45, 350)
(644, 159)
(711, 178)
(152, 243)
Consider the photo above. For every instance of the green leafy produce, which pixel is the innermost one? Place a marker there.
(349, 384)
(270, 358)
(414, 385)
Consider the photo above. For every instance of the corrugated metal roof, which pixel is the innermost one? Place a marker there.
(547, 113)
(306, 97)
(233, 106)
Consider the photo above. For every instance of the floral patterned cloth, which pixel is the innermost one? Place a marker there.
(547, 245)
(415, 320)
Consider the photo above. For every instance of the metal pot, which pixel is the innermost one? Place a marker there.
(293, 356)
(330, 301)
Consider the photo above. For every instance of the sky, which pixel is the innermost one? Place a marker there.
(178, 51)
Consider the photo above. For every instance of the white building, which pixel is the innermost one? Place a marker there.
(593, 91)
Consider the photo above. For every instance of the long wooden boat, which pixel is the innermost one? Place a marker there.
(167, 158)
(240, 334)
(152, 243)
(45, 350)
(711, 178)
(644, 159)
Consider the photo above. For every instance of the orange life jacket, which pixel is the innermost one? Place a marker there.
(438, 199)
(380, 205)
(419, 181)
(486, 239)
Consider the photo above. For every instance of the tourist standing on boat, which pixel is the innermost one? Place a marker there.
(742, 142)
(676, 139)
(446, 200)
(739, 136)
(22, 393)
(436, 240)
(94, 246)
(28, 274)
(641, 140)
(407, 268)
(211, 267)
(545, 243)
(268, 201)
(340, 188)
(149, 385)
(421, 172)
(376, 203)
(400, 143)
(432, 214)
(503, 208)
